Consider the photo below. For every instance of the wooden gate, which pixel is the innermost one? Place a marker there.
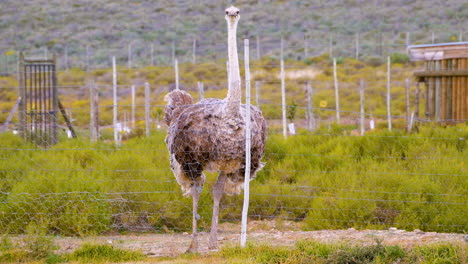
(38, 109)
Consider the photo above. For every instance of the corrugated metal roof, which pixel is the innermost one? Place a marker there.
(438, 44)
(438, 51)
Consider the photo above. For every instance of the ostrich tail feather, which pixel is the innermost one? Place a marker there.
(176, 101)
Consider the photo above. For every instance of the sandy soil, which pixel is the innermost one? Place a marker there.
(173, 244)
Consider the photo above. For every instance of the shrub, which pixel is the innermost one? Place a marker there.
(399, 58)
(103, 253)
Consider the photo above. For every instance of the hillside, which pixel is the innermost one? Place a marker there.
(104, 28)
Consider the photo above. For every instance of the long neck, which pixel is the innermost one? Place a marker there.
(234, 81)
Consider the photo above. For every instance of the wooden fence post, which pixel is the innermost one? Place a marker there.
(407, 97)
(416, 101)
(311, 123)
(201, 91)
(389, 111)
(94, 111)
(133, 105)
(361, 100)
(176, 70)
(147, 109)
(337, 96)
(283, 98)
(114, 95)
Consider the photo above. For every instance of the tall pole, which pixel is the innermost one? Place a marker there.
(201, 91)
(114, 93)
(133, 105)
(194, 51)
(361, 100)
(176, 70)
(337, 95)
(147, 109)
(407, 97)
(416, 102)
(94, 113)
(389, 111)
(283, 98)
(245, 208)
(310, 116)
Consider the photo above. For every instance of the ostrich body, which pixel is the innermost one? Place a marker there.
(210, 135)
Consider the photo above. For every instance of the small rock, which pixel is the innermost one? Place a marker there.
(392, 229)
(417, 231)
(184, 233)
(351, 229)
(465, 237)
(109, 241)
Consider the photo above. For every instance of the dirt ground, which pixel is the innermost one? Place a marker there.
(266, 232)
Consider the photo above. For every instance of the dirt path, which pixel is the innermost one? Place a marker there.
(173, 244)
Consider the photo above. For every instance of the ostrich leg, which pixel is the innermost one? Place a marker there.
(218, 190)
(193, 248)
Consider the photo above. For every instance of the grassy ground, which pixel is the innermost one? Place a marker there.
(326, 180)
(305, 251)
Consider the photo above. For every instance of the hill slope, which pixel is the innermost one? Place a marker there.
(107, 27)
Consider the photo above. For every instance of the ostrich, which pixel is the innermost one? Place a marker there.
(210, 135)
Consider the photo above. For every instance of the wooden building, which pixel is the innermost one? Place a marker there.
(445, 78)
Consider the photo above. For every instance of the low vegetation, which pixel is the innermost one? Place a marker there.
(315, 252)
(328, 179)
(305, 251)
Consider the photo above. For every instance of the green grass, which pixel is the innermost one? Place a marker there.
(304, 251)
(315, 252)
(89, 253)
(330, 181)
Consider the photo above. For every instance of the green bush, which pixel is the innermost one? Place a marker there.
(89, 253)
(399, 58)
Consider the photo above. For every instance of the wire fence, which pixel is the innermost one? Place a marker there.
(328, 177)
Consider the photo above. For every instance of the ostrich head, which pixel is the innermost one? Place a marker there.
(232, 14)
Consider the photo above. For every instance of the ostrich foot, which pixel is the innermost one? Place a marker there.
(193, 248)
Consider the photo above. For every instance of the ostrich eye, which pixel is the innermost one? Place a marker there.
(237, 12)
(227, 13)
